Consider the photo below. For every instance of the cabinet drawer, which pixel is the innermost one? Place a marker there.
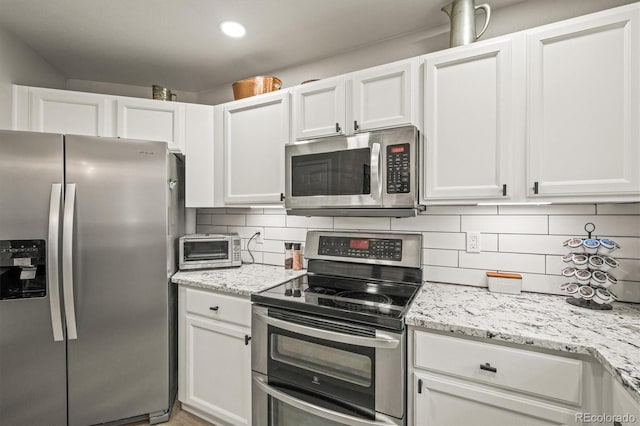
(532, 372)
(219, 306)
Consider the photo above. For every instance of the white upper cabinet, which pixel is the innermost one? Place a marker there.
(385, 96)
(199, 156)
(374, 98)
(469, 122)
(60, 111)
(583, 95)
(319, 108)
(255, 133)
(152, 120)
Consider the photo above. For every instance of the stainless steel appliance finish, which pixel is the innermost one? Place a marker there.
(330, 347)
(367, 174)
(207, 251)
(114, 228)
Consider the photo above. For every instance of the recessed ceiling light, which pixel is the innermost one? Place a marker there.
(233, 29)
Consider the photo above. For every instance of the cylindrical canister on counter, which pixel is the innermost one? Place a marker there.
(288, 255)
(297, 256)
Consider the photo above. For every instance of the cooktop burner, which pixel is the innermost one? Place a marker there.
(366, 301)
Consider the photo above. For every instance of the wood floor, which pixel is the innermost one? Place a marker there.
(179, 418)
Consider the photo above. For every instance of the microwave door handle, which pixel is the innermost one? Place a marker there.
(381, 420)
(381, 341)
(376, 172)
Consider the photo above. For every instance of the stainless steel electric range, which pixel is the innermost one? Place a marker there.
(329, 347)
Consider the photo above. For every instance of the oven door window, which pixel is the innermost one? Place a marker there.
(338, 371)
(206, 250)
(346, 172)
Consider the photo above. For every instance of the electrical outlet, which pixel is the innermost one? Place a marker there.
(259, 239)
(473, 242)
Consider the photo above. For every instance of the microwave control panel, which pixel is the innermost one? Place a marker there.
(363, 248)
(398, 169)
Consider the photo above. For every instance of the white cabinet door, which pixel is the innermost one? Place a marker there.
(469, 121)
(384, 96)
(152, 120)
(441, 401)
(199, 156)
(319, 109)
(255, 132)
(218, 370)
(62, 111)
(583, 96)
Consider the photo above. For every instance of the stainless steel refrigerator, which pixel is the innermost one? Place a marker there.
(88, 228)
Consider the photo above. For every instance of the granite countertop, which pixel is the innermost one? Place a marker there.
(243, 281)
(540, 320)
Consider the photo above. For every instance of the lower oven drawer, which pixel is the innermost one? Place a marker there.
(280, 406)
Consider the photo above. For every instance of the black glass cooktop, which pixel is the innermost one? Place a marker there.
(366, 301)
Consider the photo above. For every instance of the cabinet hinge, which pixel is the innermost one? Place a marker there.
(246, 339)
(419, 385)
(355, 125)
(281, 196)
(535, 187)
(504, 190)
(337, 127)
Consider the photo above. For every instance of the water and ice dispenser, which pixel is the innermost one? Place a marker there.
(23, 272)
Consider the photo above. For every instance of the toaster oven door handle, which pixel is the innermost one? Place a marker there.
(381, 341)
(381, 419)
(376, 172)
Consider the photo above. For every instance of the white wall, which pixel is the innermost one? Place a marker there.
(123, 90)
(522, 239)
(19, 64)
(528, 14)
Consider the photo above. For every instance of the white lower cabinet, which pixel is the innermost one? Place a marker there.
(441, 400)
(214, 356)
(458, 381)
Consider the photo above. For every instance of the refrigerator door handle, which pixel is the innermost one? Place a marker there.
(67, 260)
(53, 250)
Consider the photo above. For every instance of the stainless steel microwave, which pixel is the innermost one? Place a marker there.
(367, 174)
(205, 251)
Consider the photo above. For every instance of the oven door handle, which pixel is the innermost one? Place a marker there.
(381, 419)
(381, 341)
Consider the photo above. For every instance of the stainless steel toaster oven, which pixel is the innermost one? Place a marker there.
(205, 251)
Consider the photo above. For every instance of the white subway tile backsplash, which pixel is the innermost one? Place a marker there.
(524, 239)
(512, 262)
(228, 219)
(372, 223)
(535, 244)
(443, 274)
(314, 222)
(426, 223)
(505, 224)
(612, 225)
(444, 240)
(630, 208)
(203, 219)
(628, 270)
(458, 210)
(273, 259)
(266, 220)
(437, 257)
(246, 257)
(548, 209)
(285, 234)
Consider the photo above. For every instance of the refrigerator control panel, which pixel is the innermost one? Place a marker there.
(22, 269)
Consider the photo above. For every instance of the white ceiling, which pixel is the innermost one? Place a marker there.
(177, 43)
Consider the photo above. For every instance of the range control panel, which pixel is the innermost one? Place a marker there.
(362, 248)
(398, 169)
